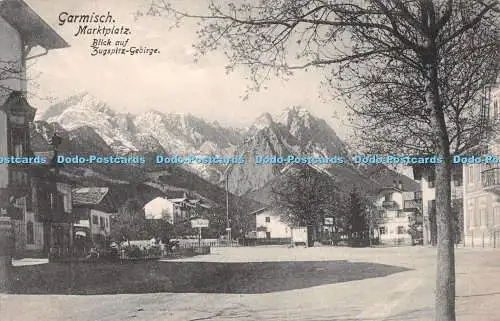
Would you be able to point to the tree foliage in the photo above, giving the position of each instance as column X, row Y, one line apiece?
column 304, row 197
column 131, row 224
column 357, row 214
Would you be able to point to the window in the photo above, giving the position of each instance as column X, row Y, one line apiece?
column 484, row 215
column 496, row 216
column 18, row 150
column 471, row 217
column 268, row 219
column 477, row 218
column 432, row 180
column 268, row 235
column 101, row 221
column 381, row 230
column 388, row 197
column 490, row 218
column 401, row 230
column 107, row 222
column 30, row 233
column 470, row 172
column 95, row 220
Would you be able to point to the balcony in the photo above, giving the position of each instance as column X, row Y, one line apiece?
column 389, row 204
column 490, row 180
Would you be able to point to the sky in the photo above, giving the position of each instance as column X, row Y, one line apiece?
column 169, row 81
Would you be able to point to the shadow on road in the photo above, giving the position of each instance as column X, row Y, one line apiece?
column 190, row 277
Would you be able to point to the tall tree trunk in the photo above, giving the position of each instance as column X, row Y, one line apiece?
column 445, row 278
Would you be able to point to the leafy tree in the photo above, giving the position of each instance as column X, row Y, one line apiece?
column 357, row 215
column 412, row 71
column 304, row 197
column 130, row 222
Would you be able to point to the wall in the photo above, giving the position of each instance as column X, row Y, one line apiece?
column 390, row 220
column 65, row 190
column 10, row 50
column 481, row 207
column 96, row 228
column 159, row 208
column 277, row 228
column 4, row 171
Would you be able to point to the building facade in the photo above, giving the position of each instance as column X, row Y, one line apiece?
column 398, row 212
column 94, row 208
column 178, row 210
column 269, row 226
column 482, row 191
column 22, row 33
column 426, row 175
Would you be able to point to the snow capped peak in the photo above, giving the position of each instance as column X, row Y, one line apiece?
column 290, row 114
column 265, row 120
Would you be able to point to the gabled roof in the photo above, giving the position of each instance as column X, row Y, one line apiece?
column 89, row 195
column 34, row 30
column 259, row 211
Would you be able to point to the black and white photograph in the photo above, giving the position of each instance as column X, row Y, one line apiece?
column 288, row 160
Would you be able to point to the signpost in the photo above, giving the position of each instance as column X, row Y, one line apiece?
column 199, row 223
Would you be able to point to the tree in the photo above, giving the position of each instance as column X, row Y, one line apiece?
column 357, row 215
column 130, row 222
column 412, row 73
column 304, row 197
column 9, row 71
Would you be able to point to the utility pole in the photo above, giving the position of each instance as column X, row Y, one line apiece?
column 228, row 225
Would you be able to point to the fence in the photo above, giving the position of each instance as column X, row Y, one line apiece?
column 189, row 243
column 482, row 239
column 130, row 253
column 264, row 241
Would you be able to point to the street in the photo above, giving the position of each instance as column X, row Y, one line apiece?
column 266, row 283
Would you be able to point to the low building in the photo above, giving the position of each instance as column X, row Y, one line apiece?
column 269, row 226
column 178, row 210
column 397, row 208
column 159, row 208
column 93, row 209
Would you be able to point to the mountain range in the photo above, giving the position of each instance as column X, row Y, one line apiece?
column 90, row 126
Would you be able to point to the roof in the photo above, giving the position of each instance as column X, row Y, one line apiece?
column 390, row 179
column 89, row 195
column 177, row 200
column 34, row 30
column 258, row 211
